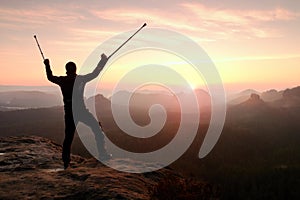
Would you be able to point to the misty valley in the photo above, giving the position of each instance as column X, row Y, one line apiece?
column 257, row 154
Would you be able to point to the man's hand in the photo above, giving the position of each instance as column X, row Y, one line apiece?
column 104, row 58
column 46, row 62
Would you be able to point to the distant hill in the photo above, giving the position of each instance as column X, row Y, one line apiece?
column 293, row 92
column 271, row 95
column 28, row 99
column 267, row 96
column 142, row 100
column 254, row 108
column 240, row 97
column 256, row 111
column 253, row 101
column 12, row 88
column 249, row 92
column 290, row 98
column 258, row 153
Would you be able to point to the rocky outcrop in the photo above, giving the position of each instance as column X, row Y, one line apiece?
column 31, row 168
column 254, row 102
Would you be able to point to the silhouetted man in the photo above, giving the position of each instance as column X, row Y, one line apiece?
column 72, row 88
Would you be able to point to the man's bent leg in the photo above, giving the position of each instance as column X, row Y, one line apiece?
column 69, row 135
column 90, row 121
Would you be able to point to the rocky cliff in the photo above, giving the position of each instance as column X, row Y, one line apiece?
column 31, row 168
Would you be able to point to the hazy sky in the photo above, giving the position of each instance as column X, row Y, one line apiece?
column 254, row 44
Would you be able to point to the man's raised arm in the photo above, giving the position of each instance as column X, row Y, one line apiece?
column 98, row 69
column 50, row 77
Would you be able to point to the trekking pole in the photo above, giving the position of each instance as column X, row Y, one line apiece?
column 39, row 46
column 127, row 41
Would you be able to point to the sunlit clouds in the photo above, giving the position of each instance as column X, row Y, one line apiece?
column 245, row 43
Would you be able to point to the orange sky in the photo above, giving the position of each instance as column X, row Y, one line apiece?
column 253, row 44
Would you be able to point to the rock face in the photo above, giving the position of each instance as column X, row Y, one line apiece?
column 31, row 168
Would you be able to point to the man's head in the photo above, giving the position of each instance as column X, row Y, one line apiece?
column 71, row 68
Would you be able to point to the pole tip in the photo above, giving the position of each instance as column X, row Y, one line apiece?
column 145, row 24
column 34, row 36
